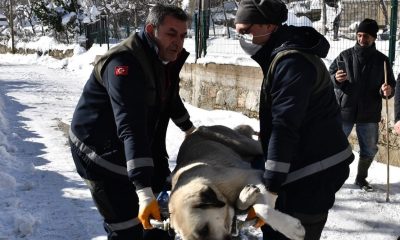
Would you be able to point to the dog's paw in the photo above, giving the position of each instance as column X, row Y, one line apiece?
column 247, row 197
column 287, row 225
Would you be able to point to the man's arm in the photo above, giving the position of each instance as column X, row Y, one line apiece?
column 179, row 114
column 125, row 84
column 291, row 90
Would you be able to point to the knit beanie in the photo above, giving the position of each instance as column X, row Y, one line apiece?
column 368, row 26
column 261, row 12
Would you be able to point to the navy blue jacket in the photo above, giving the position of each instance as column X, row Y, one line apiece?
column 306, row 153
column 120, row 121
column 360, row 97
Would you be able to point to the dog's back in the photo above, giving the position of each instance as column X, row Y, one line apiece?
column 218, row 146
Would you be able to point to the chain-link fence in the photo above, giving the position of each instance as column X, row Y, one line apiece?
column 336, row 20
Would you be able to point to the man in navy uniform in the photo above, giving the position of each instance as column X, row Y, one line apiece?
column 118, row 130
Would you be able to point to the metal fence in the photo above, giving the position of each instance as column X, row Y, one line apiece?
column 97, row 32
column 336, row 20
column 213, row 32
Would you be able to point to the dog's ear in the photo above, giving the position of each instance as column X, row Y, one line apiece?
column 208, row 199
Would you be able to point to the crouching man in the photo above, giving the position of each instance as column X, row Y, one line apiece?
column 119, row 126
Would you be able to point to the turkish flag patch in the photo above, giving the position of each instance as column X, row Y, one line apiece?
column 121, row 71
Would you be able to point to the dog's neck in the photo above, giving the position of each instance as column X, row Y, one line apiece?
column 182, row 175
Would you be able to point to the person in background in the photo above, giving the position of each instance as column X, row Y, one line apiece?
column 306, row 153
column 359, row 80
column 397, row 106
column 336, row 20
column 118, row 130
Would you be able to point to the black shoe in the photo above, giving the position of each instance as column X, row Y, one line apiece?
column 364, row 185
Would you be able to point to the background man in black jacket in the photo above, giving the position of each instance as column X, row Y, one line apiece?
column 306, row 153
column 118, row 129
column 359, row 80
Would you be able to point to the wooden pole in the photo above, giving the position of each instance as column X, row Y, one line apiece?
column 387, row 136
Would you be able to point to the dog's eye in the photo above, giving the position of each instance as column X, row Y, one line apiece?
column 204, row 231
column 208, row 199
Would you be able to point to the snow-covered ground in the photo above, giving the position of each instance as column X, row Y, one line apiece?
column 43, row 198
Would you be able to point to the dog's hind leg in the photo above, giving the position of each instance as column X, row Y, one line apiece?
column 247, row 197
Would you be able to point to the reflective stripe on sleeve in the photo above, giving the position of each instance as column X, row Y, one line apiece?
column 139, row 162
column 276, row 166
column 96, row 158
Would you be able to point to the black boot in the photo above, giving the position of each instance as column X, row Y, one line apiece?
column 364, row 185
column 363, row 165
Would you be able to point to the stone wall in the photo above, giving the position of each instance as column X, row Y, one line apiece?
column 216, row 86
column 58, row 54
column 237, row 88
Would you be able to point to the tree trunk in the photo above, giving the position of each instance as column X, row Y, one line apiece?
column 323, row 17
column 226, row 20
column 385, row 13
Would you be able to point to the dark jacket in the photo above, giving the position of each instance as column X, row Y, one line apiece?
column 397, row 101
column 306, row 153
column 360, row 97
column 119, row 125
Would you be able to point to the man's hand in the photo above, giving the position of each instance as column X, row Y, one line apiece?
column 251, row 214
column 148, row 207
column 341, row 76
column 397, row 127
column 386, row 90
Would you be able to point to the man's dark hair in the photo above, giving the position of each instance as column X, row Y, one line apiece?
column 160, row 11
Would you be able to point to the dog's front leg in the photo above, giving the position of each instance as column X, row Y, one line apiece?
column 247, row 197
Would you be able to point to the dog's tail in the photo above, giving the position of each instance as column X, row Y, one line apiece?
column 246, row 130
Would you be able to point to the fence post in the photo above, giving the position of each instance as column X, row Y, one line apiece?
column 393, row 31
column 204, row 25
column 196, row 35
column 324, row 17
column 11, row 20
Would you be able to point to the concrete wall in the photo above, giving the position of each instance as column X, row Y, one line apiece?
column 216, row 86
column 237, row 88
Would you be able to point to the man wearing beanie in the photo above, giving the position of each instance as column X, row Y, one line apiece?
column 358, row 76
column 306, row 153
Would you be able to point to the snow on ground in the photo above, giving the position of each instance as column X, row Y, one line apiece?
column 43, row 198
